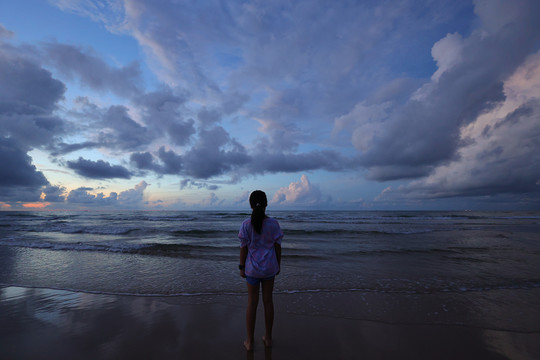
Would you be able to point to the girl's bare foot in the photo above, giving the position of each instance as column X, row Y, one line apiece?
column 248, row 345
column 267, row 341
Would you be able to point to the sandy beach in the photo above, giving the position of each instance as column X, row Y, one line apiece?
column 58, row 324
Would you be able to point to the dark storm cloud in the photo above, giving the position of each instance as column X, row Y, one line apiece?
column 295, row 162
column 63, row 148
column 98, row 169
column 166, row 162
column 74, row 62
column 215, row 153
column 25, row 87
column 54, row 194
column 121, row 131
column 163, row 110
column 503, row 161
column 19, row 179
column 172, row 163
column 144, row 161
column 111, row 128
column 28, row 96
column 426, row 131
column 208, row 117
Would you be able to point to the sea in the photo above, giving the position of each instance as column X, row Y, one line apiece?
column 454, row 267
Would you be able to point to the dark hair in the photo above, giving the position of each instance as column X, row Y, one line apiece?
column 258, row 203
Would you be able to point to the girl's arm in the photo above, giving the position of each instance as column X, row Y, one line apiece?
column 278, row 255
column 243, row 257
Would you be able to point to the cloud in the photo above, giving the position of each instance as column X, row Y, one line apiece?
column 54, row 194
column 98, row 169
column 425, row 132
column 258, row 87
column 189, row 183
column 213, row 154
column 263, row 162
column 501, row 156
column 163, row 110
column 119, row 130
column 131, row 198
column 145, row 161
column 299, row 193
column 26, row 87
column 211, row 201
column 5, row 33
column 169, row 162
column 111, row 128
column 28, row 97
column 302, row 66
column 92, row 71
column 82, row 196
column 505, row 161
column 62, row 148
column 243, row 199
column 19, row 179
column 309, row 59
column 172, row 163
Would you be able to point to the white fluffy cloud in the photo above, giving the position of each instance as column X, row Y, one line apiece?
column 127, row 199
column 301, row 192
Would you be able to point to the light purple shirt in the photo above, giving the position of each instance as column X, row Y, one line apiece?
column 261, row 261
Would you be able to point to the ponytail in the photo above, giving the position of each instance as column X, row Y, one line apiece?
column 258, row 203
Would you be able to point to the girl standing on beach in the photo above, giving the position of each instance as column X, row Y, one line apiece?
column 260, row 259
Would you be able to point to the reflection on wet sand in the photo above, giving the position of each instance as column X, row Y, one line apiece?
column 67, row 324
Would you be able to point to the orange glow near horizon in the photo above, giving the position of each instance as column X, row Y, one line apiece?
column 4, row 206
column 39, row 205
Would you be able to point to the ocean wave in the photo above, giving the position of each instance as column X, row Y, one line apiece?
column 157, row 249
column 99, row 231
column 138, row 229
column 91, row 230
column 454, row 252
column 389, row 231
column 203, row 233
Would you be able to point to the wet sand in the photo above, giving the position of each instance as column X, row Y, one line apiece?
column 56, row 324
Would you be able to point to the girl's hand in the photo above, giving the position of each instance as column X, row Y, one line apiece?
column 243, row 273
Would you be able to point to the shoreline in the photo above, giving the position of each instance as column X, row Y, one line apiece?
column 40, row 323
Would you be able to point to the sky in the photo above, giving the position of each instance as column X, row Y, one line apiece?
column 191, row 105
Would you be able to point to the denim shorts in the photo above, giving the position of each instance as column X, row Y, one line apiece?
column 256, row 281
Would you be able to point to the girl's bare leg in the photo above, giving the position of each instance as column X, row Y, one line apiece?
column 251, row 315
column 267, row 293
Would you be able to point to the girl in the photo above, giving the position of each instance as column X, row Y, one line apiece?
column 260, row 259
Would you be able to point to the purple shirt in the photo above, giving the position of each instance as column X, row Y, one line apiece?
column 261, row 261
